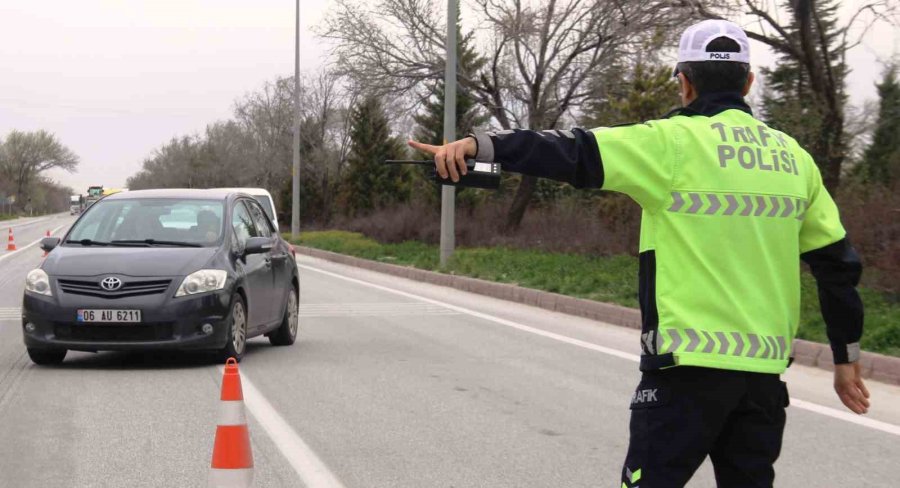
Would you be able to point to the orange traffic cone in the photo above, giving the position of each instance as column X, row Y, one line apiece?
column 11, row 242
column 232, row 460
column 48, row 235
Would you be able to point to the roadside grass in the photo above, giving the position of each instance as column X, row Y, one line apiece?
column 4, row 216
column 603, row 278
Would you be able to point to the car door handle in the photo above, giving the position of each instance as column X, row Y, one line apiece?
column 280, row 256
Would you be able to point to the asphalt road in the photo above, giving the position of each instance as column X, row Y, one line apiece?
column 387, row 387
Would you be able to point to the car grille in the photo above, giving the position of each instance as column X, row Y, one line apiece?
column 115, row 333
column 129, row 288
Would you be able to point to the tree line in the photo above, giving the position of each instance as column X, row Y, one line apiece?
column 25, row 157
column 543, row 64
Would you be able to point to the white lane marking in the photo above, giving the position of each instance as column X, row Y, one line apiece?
column 846, row 416
column 299, row 455
column 30, row 245
column 335, row 309
column 28, row 223
column 10, row 313
column 796, row 402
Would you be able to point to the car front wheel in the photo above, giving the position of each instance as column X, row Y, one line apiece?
column 46, row 356
column 286, row 334
column 235, row 330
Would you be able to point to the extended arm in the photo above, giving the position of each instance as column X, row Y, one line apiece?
column 570, row 156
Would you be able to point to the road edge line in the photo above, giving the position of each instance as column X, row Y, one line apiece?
column 27, row 246
column 878, row 425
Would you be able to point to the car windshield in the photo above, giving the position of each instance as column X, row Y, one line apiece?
column 266, row 204
column 150, row 222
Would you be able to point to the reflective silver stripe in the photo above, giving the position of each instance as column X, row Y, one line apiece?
column 647, row 339
column 230, row 478
column 485, row 145
column 773, row 351
column 748, row 206
column 676, row 340
column 853, row 352
column 775, row 207
column 727, row 204
column 801, row 209
column 760, row 205
column 677, row 202
column 232, row 413
column 732, row 204
column 723, row 342
column 710, row 342
column 739, row 343
column 782, row 343
column 694, row 340
column 754, row 345
column 766, row 348
column 788, row 207
column 714, row 204
column 697, row 203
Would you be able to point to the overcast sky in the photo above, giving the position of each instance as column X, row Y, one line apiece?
column 114, row 79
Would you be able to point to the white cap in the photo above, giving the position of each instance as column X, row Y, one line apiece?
column 698, row 36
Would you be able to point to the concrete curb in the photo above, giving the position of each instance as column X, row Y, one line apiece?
column 875, row 366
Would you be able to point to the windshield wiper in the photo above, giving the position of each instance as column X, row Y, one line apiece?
column 155, row 242
column 87, row 242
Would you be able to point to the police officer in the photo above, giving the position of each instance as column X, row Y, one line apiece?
column 730, row 206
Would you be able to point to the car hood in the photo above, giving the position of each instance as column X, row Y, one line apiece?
column 129, row 261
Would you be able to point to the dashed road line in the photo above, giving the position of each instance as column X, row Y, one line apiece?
column 795, row 402
column 10, row 313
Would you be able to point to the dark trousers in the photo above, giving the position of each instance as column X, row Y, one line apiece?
column 682, row 414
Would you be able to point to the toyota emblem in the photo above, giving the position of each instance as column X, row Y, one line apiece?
column 111, row 283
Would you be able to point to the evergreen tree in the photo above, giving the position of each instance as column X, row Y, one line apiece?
column 646, row 92
column 881, row 162
column 369, row 183
column 468, row 115
column 797, row 104
column 430, row 119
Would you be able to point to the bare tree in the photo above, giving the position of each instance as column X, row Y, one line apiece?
column 819, row 47
column 540, row 54
column 25, row 155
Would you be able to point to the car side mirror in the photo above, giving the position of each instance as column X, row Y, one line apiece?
column 48, row 243
column 258, row 245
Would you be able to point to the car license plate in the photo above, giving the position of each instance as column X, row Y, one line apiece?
column 109, row 316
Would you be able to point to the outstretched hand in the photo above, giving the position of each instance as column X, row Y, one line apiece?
column 449, row 159
column 850, row 387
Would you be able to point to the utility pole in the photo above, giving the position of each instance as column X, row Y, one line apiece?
column 448, row 193
column 295, row 172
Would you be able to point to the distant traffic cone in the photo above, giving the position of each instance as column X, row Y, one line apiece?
column 48, row 235
column 232, row 460
column 11, row 242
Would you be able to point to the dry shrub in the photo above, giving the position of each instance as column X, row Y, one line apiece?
column 609, row 224
column 601, row 225
column 871, row 215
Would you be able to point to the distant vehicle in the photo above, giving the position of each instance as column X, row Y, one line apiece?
column 163, row 269
column 264, row 198
column 75, row 209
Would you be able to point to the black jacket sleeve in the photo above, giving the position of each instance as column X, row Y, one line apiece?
column 837, row 270
column 570, row 156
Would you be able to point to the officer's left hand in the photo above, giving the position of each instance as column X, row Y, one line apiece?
column 851, row 389
column 449, row 159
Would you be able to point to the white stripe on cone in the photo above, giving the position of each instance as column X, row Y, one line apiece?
column 230, row 478
column 232, row 413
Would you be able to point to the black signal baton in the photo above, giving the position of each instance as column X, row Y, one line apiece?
column 478, row 175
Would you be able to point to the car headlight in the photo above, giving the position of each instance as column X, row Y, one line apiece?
column 202, row 281
column 37, row 281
